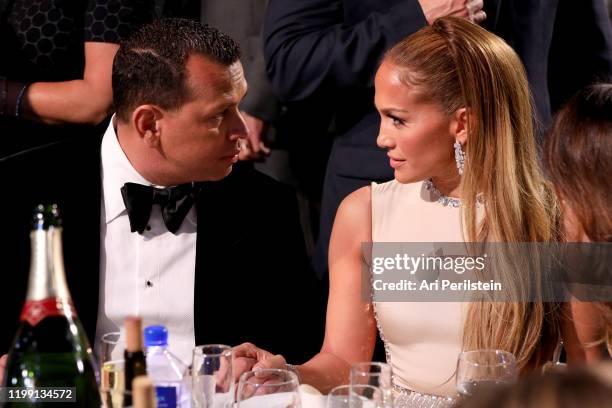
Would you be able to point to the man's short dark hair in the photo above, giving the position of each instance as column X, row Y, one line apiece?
column 149, row 68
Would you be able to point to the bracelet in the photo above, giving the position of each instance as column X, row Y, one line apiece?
column 293, row 369
column 19, row 98
column 4, row 95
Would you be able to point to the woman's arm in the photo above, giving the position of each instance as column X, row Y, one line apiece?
column 81, row 101
column 350, row 330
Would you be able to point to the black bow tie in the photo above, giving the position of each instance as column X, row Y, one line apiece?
column 175, row 202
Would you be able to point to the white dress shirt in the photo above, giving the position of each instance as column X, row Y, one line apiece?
column 150, row 275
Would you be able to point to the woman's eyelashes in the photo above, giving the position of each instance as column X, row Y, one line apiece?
column 397, row 122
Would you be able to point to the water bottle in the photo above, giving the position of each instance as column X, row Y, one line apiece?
column 165, row 369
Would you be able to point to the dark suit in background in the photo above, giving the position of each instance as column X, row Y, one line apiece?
column 252, row 281
column 564, row 45
column 328, row 52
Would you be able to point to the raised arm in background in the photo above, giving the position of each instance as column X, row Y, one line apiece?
column 308, row 44
column 82, row 101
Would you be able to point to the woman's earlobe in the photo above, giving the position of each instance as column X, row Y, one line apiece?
column 462, row 136
column 461, row 125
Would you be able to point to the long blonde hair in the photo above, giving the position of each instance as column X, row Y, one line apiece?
column 457, row 64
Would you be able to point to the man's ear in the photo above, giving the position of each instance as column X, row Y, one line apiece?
column 145, row 120
column 459, row 125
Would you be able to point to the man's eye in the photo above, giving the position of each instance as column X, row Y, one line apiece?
column 219, row 116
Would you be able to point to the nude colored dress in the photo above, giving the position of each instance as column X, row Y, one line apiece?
column 422, row 339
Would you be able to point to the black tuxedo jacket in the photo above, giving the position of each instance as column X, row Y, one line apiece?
column 337, row 45
column 252, row 279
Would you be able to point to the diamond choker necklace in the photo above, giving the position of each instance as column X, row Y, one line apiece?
column 441, row 198
column 446, row 200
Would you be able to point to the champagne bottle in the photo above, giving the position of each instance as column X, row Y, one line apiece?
column 50, row 347
column 135, row 363
column 143, row 392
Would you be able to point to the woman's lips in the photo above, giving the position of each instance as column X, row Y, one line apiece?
column 395, row 163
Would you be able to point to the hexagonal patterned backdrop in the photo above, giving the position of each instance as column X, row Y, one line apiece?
column 44, row 29
column 50, row 33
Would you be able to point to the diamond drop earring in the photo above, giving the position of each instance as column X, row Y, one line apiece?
column 459, row 156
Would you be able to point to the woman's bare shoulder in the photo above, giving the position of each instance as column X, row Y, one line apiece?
column 357, row 204
column 354, row 214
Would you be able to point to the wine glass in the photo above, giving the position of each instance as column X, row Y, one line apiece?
column 483, row 369
column 212, row 376
column 355, row 396
column 269, row 388
column 376, row 374
column 555, row 366
column 112, row 375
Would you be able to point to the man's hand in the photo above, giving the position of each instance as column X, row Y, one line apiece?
column 253, row 147
column 3, row 361
column 242, row 365
column 470, row 9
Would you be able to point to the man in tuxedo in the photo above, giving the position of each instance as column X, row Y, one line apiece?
column 153, row 224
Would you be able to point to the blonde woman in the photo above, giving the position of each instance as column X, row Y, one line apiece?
column 449, row 84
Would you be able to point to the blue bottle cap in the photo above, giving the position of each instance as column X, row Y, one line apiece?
column 155, row 336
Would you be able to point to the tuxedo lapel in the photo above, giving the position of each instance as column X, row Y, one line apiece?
column 252, row 280
column 219, row 232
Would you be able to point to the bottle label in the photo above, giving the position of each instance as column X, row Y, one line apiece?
column 166, row 397
column 34, row 311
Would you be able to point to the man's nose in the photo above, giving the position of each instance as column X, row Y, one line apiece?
column 237, row 128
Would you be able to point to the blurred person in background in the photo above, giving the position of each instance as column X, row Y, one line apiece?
column 578, row 157
column 568, row 389
column 55, row 70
